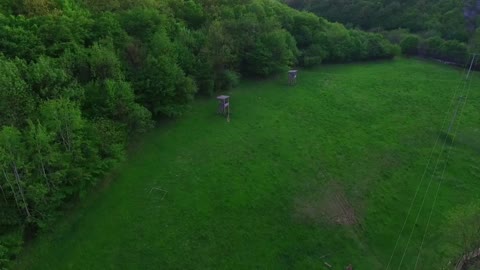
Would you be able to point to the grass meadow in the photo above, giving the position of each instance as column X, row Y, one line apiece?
column 323, row 172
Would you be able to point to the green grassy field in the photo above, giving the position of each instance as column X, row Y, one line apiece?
column 321, row 172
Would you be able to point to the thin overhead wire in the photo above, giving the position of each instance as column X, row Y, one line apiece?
column 425, row 172
column 442, row 177
column 466, row 82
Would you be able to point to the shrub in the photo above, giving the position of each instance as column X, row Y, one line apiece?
column 454, row 51
column 432, row 47
column 410, row 45
column 231, row 79
column 10, row 246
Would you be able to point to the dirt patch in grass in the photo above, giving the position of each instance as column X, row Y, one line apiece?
column 328, row 204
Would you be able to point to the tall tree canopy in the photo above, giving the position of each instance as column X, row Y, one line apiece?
column 450, row 19
column 442, row 29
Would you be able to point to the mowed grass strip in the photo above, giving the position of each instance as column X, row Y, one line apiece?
column 324, row 171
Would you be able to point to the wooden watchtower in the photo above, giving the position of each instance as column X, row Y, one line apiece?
column 292, row 77
column 223, row 105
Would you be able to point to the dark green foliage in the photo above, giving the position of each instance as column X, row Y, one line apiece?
column 161, row 84
column 410, row 45
column 432, row 28
column 115, row 100
column 142, row 23
column 189, row 11
column 18, row 38
column 432, row 47
column 272, row 53
column 454, row 51
column 48, row 79
column 11, row 243
column 16, row 99
column 443, row 17
column 110, row 138
column 61, row 33
column 379, row 48
column 313, row 55
column 320, row 41
column 107, row 26
column 232, row 79
column 104, row 63
column 80, row 78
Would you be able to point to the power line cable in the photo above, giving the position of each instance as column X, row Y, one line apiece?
column 434, row 171
column 443, row 172
column 424, row 173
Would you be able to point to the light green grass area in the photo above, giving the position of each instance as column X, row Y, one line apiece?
column 281, row 184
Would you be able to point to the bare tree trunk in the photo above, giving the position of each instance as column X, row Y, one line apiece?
column 64, row 141
column 4, row 196
column 69, row 143
column 11, row 187
column 43, row 172
column 17, row 180
column 66, row 137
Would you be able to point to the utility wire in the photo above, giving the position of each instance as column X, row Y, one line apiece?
column 444, row 169
column 424, row 173
column 435, row 170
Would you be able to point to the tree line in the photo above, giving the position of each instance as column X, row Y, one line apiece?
column 443, row 29
column 80, row 78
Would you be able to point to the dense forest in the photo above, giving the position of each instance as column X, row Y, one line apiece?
column 450, row 19
column 444, row 29
column 80, row 79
